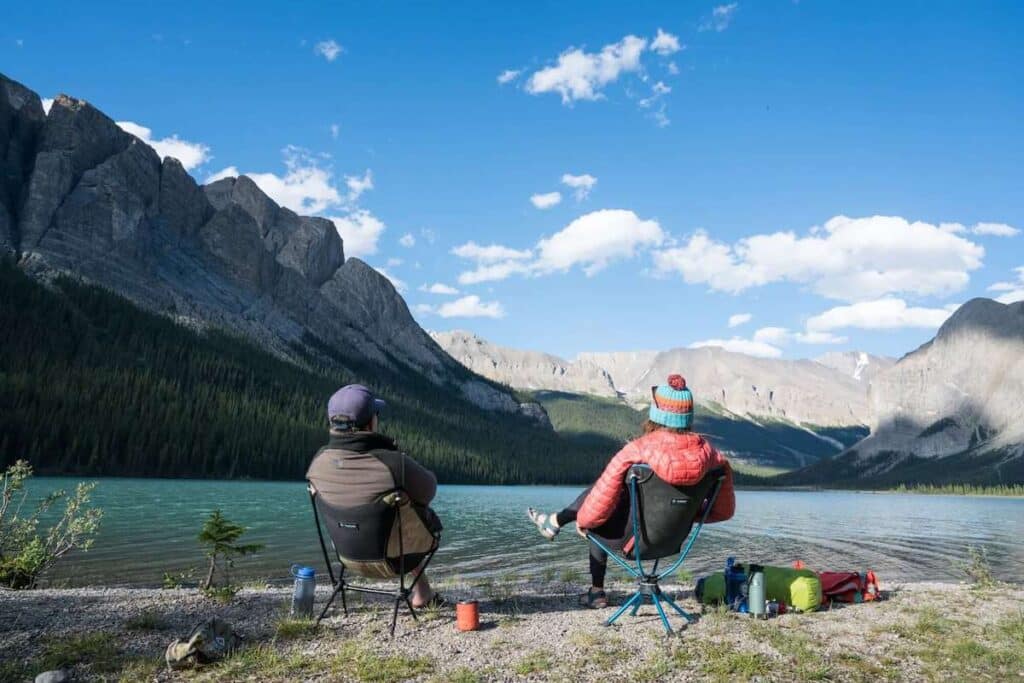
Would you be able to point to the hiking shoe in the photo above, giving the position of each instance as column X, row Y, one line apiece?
column 545, row 523
column 594, row 599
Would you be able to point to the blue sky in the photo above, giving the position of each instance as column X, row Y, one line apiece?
column 843, row 173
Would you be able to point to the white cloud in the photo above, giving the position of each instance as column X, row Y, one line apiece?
column 596, row 239
column 439, row 288
column 491, row 253
column 328, row 49
column 508, row 75
column 995, row 229
column 738, row 319
column 335, row 130
column 1012, row 291
column 423, row 309
column 721, row 17
column 547, row 200
column 47, row 103
column 429, row 235
column 665, row 44
column 471, row 307
column 394, row 262
column 592, row 241
column 360, row 230
column 780, row 336
column 673, row 68
column 882, row 314
column 407, row 240
column 190, row 154
column 581, row 184
column 358, row 185
column 395, row 282
column 658, row 90
column 740, row 345
column 493, row 272
column 851, row 259
column 579, row 75
column 306, row 187
column 226, row 172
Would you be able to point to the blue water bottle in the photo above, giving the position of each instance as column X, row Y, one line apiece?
column 305, row 589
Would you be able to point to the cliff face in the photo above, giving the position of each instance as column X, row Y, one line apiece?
column 964, row 390
column 80, row 196
column 525, row 369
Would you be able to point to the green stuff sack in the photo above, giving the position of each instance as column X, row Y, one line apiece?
column 800, row 589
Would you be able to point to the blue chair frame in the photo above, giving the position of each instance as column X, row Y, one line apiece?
column 648, row 582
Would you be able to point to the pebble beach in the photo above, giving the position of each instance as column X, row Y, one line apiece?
column 529, row 631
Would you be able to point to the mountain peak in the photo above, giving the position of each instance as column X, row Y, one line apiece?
column 986, row 316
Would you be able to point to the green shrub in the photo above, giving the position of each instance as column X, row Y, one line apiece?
column 26, row 552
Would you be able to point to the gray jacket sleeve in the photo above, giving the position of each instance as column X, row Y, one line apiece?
column 420, row 483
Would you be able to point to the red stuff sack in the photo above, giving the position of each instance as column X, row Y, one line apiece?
column 848, row 587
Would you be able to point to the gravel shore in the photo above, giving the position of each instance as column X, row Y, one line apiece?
column 530, row 631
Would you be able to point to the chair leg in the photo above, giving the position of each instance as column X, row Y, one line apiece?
column 394, row 615
column 340, row 588
column 344, row 603
column 636, row 607
column 619, row 612
column 656, row 599
column 412, row 610
column 683, row 613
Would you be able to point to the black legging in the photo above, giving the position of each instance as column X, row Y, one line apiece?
column 614, row 533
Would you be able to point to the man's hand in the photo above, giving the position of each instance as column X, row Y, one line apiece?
column 581, row 531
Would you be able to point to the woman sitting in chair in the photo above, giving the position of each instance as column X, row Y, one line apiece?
column 676, row 455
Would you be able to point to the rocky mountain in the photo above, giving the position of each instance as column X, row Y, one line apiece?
column 525, row 369
column 627, row 368
column 798, row 391
column 80, row 196
column 964, row 390
column 859, row 365
column 946, row 413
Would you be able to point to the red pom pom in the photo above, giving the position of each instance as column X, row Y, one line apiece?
column 677, row 382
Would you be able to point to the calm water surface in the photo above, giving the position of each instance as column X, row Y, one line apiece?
column 150, row 527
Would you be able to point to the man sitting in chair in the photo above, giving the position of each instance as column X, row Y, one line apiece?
column 359, row 465
column 676, row 455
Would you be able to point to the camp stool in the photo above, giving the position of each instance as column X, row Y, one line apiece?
column 661, row 516
column 385, row 539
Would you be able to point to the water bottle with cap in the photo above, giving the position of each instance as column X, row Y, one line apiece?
column 756, row 592
column 305, row 589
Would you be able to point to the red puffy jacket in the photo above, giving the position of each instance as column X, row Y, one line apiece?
column 680, row 459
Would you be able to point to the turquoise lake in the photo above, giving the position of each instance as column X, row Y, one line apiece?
column 150, row 527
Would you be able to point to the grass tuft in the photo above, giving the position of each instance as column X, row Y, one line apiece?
column 533, row 663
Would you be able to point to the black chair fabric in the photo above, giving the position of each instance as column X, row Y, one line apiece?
column 667, row 512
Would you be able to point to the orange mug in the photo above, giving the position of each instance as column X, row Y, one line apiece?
column 467, row 615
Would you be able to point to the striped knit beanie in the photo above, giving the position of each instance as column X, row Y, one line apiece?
column 673, row 404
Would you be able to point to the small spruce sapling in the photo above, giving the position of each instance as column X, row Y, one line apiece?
column 220, row 537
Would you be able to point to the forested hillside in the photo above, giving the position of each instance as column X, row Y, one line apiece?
column 92, row 385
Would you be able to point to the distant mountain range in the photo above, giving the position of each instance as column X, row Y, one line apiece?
column 84, row 204
column 948, row 411
column 828, row 392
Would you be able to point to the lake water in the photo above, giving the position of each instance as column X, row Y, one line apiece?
column 150, row 527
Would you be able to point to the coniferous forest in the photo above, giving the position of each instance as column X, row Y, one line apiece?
column 92, row 385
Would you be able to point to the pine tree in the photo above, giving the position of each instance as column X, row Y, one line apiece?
column 220, row 536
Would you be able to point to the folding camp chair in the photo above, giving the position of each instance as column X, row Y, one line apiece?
column 383, row 540
column 661, row 517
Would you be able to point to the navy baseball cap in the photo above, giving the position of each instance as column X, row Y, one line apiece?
column 353, row 403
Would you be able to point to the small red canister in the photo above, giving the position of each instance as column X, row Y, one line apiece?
column 467, row 615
